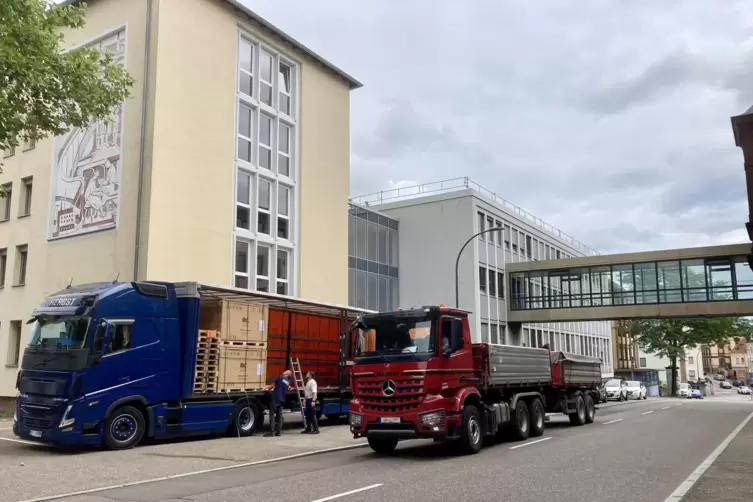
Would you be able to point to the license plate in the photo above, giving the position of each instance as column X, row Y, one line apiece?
column 35, row 434
column 389, row 420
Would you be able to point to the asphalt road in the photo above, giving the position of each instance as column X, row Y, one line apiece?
column 637, row 452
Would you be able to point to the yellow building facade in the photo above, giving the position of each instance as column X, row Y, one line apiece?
column 228, row 164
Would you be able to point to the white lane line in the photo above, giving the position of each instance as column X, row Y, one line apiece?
column 21, row 441
column 666, row 408
column 647, row 412
column 686, row 485
column 345, row 494
column 678, row 404
column 614, row 421
column 530, row 443
column 194, row 473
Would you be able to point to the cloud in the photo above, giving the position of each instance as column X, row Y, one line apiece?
column 610, row 123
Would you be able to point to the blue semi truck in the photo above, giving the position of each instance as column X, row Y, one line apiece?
column 114, row 363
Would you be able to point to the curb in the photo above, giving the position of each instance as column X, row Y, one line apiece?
column 195, row 473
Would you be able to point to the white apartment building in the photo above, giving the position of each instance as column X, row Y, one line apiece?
column 435, row 220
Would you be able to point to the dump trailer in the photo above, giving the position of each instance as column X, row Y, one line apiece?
column 417, row 374
column 114, row 363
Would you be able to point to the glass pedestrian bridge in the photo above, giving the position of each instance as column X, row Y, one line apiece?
column 708, row 281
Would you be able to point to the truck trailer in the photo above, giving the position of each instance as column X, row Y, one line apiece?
column 113, row 363
column 416, row 374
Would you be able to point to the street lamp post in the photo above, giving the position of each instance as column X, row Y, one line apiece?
column 457, row 260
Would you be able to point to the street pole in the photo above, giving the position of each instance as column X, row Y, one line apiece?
column 457, row 261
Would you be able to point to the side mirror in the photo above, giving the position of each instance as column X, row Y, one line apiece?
column 456, row 335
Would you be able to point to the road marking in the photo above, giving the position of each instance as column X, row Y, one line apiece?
column 351, row 492
column 614, row 421
column 529, row 443
column 647, row 412
column 195, row 473
column 678, row 404
column 6, row 428
column 686, row 485
column 21, row 441
column 666, row 408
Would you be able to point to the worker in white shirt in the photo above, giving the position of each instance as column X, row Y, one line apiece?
column 312, row 424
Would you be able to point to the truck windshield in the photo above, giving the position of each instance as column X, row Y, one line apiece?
column 395, row 336
column 57, row 331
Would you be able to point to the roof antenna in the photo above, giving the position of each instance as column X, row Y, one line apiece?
column 116, row 278
column 69, row 284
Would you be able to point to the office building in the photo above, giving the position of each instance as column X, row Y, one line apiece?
column 229, row 164
column 435, row 220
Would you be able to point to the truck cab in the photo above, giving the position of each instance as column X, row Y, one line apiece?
column 409, row 368
column 84, row 379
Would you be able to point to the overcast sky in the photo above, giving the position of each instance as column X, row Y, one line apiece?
column 609, row 120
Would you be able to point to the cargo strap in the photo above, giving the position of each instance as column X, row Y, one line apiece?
column 300, row 385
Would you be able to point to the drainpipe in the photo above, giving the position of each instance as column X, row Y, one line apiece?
column 142, row 140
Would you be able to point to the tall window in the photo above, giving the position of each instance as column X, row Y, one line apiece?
column 7, row 190
column 265, row 196
column 3, row 265
column 282, row 272
column 26, row 186
column 14, row 344
column 22, row 253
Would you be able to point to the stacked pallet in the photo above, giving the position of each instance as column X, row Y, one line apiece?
column 238, row 352
column 207, row 361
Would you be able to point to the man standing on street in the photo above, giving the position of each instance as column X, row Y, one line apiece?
column 276, row 402
column 312, row 424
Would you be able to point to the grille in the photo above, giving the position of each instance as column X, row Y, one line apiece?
column 407, row 396
column 37, row 423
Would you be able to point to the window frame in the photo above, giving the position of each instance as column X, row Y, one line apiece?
column 283, row 188
column 6, row 202
column 27, row 185
column 279, row 280
column 259, row 210
column 259, row 276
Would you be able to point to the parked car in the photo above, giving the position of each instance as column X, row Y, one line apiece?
column 684, row 389
column 696, row 394
column 603, row 394
column 743, row 390
column 635, row 390
column 616, row 390
column 719, row 378
column 725, row 385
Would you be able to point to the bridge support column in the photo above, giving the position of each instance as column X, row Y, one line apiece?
column 515, row 333
column 742, row 126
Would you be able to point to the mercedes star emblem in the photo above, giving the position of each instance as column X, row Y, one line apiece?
column 388, row 388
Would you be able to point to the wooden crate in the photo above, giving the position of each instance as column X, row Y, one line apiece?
column 235, row 321
column 241, row 368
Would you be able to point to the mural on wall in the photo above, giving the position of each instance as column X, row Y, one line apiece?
column 86, row 168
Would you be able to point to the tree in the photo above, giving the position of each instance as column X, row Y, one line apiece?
column 670, row 337
column 43, row 89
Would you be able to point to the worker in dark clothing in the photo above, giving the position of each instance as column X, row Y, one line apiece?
column 276, row 402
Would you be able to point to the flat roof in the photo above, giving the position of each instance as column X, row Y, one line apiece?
column 352, row 82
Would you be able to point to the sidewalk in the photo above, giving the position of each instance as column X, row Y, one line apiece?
column 730, row 477
column 86, row 470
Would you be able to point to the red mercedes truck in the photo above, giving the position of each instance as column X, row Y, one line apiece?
column 417, row 374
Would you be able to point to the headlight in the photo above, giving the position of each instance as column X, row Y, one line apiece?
column 65, row 421
column 355, row 419
column 434, row 419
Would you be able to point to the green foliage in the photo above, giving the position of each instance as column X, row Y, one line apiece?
column 670, row 337
column 44, row 90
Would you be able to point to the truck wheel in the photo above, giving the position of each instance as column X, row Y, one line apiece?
column 243, row 419
column 590, row 410
column 124, row 429
column 472, row 431
column 521, row 420
column 538, row 415
column 579, row 416
column 382, row 445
